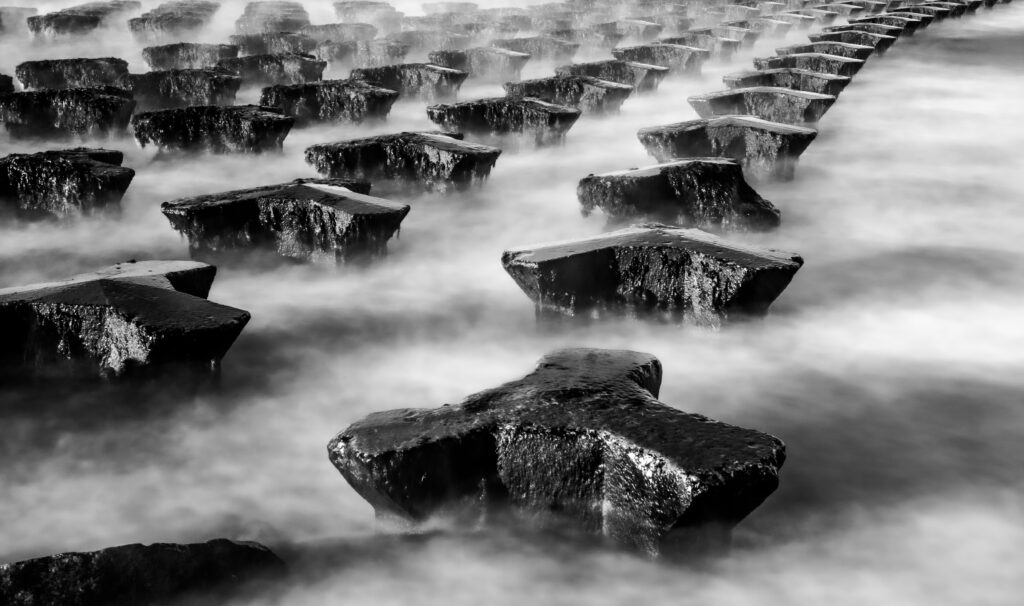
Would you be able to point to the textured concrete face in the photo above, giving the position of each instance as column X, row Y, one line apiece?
column 582, row 440
column 546, row 122
column 491, row 64
column 419, row 80
column 66, row 114
column 61, row 183
column 81, row 19
column 541, row 48
column 71, row 73
column 880, row 42
column 643, row 77
column 173, row 20
column 187, row 55
column 269, row 70
column 275, row 16
column 181, row 88
column 775, row 104
column 240, row 128
column 722, row 47
column 841, row 49
column 271, row 43
column 815, row 62
column 331, row 101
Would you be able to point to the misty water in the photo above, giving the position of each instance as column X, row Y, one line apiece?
column 891, row 367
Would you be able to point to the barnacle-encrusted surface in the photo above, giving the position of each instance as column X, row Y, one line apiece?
column 65, row 182
column 75, row 112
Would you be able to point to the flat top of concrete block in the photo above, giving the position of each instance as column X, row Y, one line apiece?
column 788, row 70
column 153, row 273
column 254, row 111
column 776, row 90
column 335, row 196
column 838, row 44
column 837, row 58
column 654, row 169
column 737, row 120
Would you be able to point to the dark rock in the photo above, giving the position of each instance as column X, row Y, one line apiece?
column 926, row 18
column 772, row 103
column 361, row 53
column 765, row 26
column 81, row 19
column 680, row 274
column 709, row 193
column 641, row 76
column 118, row 321
column 65, row 182
column 843, row 9
column 162, row 573
column 581, row 440
column 307, row 220
column 906, row 23
column 433, row 8
column 240, row 128
column 820, row 17
column 173, row 19
column 582, row 92
column 839, row 49
column 271, row 43
column 677, row 58
column 815, row 62
column 438, row 162
column 766, row 150
column 637, row 29
column 799, row 21
column 746, row 36
column 269, row 70
column 71, row 73
column 797, row 79
column 541, row 48
column 870, row 28
column 498, row 116
column 330, row 101
column 6, row 84
column 717, row 46
column 381, row 15
column 488, row 63
column 872, row 6
column 879, row 41
column 14, row 19
column 272, row 16
column 187, row 55
column 75, row 112
column 340, row 32
column 425, row 41
column 420, row 80
column 591, row 38
column 182, row 88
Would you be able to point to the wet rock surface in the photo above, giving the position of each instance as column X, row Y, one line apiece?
column 582, row 92
column 424, row 41
column 123, row 320
column 674, row 273
column 797, row 79
column 271, row 43
column 492, row 64
column 581, row 440
column 187, row 55
column 420, row 80
column 218, row 129
column 77, row 112
column 268, row 70
column 81, row 19
column 841, row 49
column 307, row 220
column 880, row 42
column 14, row 19
column 71, row 73
column 437, row 162
column 331, row 101
column 815, row 62
column 541, row 48
column 182, row 88
column 64, row 182
column 173, row 19
column 161, row 573
column 641, row 76
column 272, row 16
column 677, row 58
column 361, row 53
column 547, row 122
column 775, row 104
column 708, row 193
column 766, row 150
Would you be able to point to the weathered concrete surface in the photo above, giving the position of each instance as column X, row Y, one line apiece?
column 708, row 193
column 870, row 28
column 680, row 274
column 581, row 440
column 419, row 80
column 272, row 16
column 182, row 88
column 435, row 161
column 797, row 79
column 582, row 92
column 269, row 70
column 81, row 19
column 331, row 101
column 361, row 53
column 157, row 574
column 766, row 150
column 590, row 38
column 642, row 77
column 76, row 112
column 307, row 220
column 173, row 19
column 425, row 41
column 64, row 182
column 908, row 24
column 840, row 49
column 547, row 122
column 880, row 42
column 340, row 32
column 815, row 62
column 71, row 73
column 768, row 27
column 491, row 64
column 772, row 103
column 541, row 48
column 273, row 43
column 217, row 129
column 122, row 320
column 717, row 46
column 677, row 58
column 187, row 55
column 381, row 15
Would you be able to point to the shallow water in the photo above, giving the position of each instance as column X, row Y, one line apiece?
column 890, row 367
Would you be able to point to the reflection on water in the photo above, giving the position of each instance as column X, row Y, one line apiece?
column 890, row 366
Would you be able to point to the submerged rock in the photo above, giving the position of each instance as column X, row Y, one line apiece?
column 173, row 19
column 766, row 150
column 547, row 122
column 74, row 112
column 541, row 48
column 187, row 55
column 64, row 182
column 71, row 73
column 677, row 58
column 272, row 16
column 240, row 128
column 273, row 43
column 307, row 219
column 81, row 19
column 709, row 193
column 488, row 63
column 841, row 49
column 420, row 80
column 361, row 53
column 815, row 62
column 680, row 274
column 330, row 101
column 880, row 42
column 796, row 79
column 581, row 440
column 161, row 573
column 436, row 161
column 117, row 321
column 772, row 103
column 641, row 76
column 269, row 70
column 582, row 92
column 182, row 88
